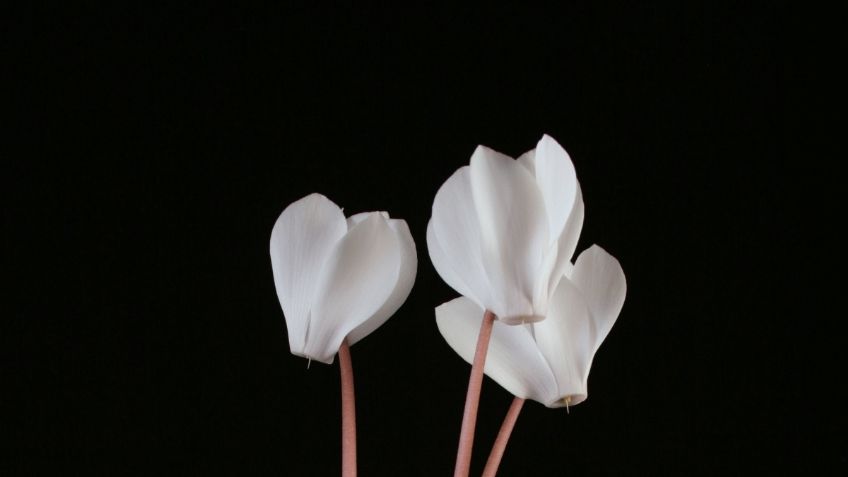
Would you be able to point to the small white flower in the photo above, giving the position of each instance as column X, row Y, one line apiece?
column 338, row 278
column 547, row 361
column 503, row 231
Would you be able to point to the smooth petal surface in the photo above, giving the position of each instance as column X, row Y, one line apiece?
column 567, row 243
column 302, row 238
column 454, row 240
column 601, row 280
column 406, row 278
column 442, row 263
column 528, row 160
column 356, row 281
column 545, row 275
column 513, row 359
column 566, row 340
column 558, row 183
column 357, row 218
column 514, row 230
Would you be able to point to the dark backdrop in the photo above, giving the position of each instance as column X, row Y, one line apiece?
column 161, row 144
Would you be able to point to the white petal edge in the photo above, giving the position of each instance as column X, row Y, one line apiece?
column 406, row 278
column 600, row 278
column 513, row 360
column 442, row 263
column 514, row 230
column 357, row 218
column 567, row 243
column 455, row 241
column 528, row 160
column 557, row 181
column 355, row 283
column 302, row 238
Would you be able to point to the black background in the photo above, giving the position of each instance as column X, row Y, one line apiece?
column 161, row 144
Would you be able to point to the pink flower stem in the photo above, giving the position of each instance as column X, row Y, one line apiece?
column 472, row 398
column 503, row 437
column 348, row 413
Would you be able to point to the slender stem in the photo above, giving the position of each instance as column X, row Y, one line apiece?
column 503, row 437
column 472, row 398
column 348, row 413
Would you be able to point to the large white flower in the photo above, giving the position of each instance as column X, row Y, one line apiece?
column 503, row 231
column 547, row 361
column 338, row 278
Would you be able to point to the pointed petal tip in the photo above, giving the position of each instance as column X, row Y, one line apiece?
column 548, row 140
column 548, row 143
column 596, row 250
column 485, row 153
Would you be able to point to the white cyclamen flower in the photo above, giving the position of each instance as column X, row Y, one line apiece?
column 503, row 231
column 547, row 361
column 338, row 278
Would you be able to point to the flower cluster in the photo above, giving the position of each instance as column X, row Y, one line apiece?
column 502, row 234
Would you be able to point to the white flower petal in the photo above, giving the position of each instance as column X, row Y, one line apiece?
column 301, row 240
column 406, row 278
column 542, row 287
column 514, row 230
column 567, row 243
column 601, row 280
column 513, row 360
column 454, row 240
column 566, row 340
column 356, row 281
column 528, row 160
column 442, row 264
column 558, row 183
column 357, row 218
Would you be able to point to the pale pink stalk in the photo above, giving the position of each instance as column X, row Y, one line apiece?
column 472, row 398
column 348, row 413
column 503, row 437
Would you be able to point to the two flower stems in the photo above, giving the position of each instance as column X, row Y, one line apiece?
column 472, row 397
column 472, row 401
column 503, row 437
column 469, row 417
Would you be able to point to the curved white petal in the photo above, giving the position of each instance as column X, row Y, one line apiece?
column 513, row 360
column 601, row 280
column 558, row 183
column 528, row 160
column 301, row 240
column 542, row 288
column 566, row 340
column 514, row 230
column 567, row 243
column 356, row 281
column 455, row 241
column 357, row 218
column 406, row 278
column 442, row 263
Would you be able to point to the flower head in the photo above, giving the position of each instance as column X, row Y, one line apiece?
column 547, row 361
column 503, row 231
column 338, row 278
